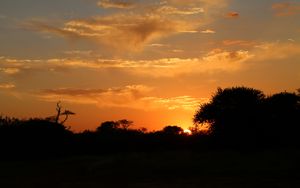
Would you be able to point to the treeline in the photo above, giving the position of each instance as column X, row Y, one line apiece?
column 239, row 118
column 40, row 137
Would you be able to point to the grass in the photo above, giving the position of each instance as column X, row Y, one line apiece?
column 158, row 169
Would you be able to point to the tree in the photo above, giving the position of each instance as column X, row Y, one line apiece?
column 283, row 117
column 108, row 126
column 125, row 124
column 56, row 118
column 233, row 113
column 172, row 130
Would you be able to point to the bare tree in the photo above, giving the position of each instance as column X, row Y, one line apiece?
column 66, row 113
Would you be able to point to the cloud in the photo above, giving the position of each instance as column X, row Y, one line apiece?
column 120, row 4
column 180, row 11
column 239, row 43
column 79, row 53
column 132, row 96
column 286, row 8
column 42, row 26
column 147, row 21
column 208, row 31
column 104, row 97
column 276, row 51
column 291, row 40
column 13, row 66
column 177, row 51
column 175, row 103
column 10, row 70
column 158, row 45
column 223, row 60
column 214, row 61
column 7, row 86
column 123, row 31
column 204, row 3
column 233, row 15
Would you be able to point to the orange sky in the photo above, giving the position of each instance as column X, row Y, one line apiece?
column 153, row 62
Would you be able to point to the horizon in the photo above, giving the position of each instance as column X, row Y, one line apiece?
column 152, row 62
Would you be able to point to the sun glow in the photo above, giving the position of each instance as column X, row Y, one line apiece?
column 187, row 131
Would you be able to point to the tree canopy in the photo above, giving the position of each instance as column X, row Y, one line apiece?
column 241, row 115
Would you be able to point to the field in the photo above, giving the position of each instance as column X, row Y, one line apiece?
column 158, row 169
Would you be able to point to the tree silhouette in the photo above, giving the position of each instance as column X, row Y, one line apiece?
column 124, row 123
column 108, row 126
column 172, row 130
column 59, row 113
column 114, row 126
column 233, row 113
column 282, row 122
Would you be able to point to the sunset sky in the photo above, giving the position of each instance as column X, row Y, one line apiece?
column 153, row 62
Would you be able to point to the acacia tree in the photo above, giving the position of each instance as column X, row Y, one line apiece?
column 233, row 113
column 112, row 126
column 59, row 113
column 124, row 123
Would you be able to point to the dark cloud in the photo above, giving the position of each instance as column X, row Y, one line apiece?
column 233, row 15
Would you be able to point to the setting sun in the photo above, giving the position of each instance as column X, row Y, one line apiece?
column 187, row 131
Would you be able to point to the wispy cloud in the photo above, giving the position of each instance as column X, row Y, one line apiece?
column 79, row 53
column 158, row 45
column 134, row 29
column 120, row 4
column 180, row 11
column 208, row 31
column 105, row 97
column 246, row 43
column 10, row 70
column 127, row 32
column 276, row 50
column 216, row 60
column 7, row 86
column 132, row 96
column 175, row 103
column 213, row 62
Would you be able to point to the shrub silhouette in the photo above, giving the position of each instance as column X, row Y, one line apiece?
column 33, row 137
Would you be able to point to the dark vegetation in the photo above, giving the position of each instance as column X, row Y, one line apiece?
column 253, row 141
column 245, row 117
column 240, row 118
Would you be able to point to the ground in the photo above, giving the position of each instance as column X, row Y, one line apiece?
column 174, row 169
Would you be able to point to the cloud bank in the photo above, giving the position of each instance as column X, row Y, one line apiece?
column 132, row 96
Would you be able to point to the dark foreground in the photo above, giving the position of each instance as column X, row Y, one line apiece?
column 158, row 169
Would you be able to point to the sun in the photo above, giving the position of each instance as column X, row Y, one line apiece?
column 187, row 131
